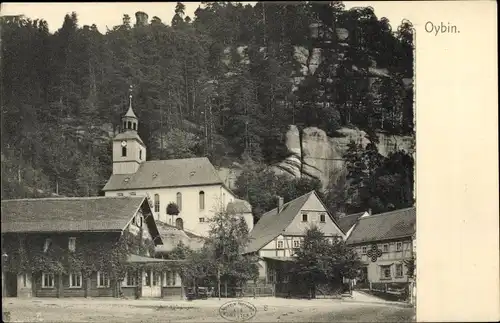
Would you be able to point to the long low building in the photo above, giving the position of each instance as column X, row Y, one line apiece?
column 79, row 247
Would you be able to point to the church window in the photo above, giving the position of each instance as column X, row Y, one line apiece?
column 140, row 154
column 157, row 203
column 124, row 151
column 202, row 200
column 124, row 125
column 179, row 200
column 129, row 124
column 134, row 126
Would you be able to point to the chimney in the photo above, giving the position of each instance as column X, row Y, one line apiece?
column 141, row 18
column 280, row 204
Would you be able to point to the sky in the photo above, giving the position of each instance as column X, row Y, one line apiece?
column 110, row 13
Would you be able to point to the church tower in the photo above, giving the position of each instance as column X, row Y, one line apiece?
column 128, row 149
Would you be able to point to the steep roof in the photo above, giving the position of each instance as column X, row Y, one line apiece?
column 272, row 223
column 167, row 173
column 384, row 226
column 346, row 222
column 172, row 236
column 69, row 214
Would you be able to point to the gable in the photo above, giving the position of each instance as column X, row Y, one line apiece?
column 314, row 208
column 143, row 218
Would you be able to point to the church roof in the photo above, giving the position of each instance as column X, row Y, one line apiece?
column 167, row 173
column 130, row 134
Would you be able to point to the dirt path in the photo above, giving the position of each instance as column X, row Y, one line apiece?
column 270, row 309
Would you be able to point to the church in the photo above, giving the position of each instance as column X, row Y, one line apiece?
column 193, row 184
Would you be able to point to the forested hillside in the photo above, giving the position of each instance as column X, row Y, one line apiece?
column 225, row 83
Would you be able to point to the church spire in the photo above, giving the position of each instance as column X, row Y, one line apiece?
column 129, row 120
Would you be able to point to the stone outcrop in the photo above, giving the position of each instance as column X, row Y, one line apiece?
column 313, row 154
column 316, row 155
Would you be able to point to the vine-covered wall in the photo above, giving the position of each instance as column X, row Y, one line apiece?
column 106, row 251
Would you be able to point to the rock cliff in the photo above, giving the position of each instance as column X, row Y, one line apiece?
column 314, row 154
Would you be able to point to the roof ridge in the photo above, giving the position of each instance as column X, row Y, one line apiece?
column 387, row 213
column 287, row 203
column 73, row 198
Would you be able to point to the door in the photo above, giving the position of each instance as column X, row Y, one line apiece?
column 151, row 284
column 10, row 284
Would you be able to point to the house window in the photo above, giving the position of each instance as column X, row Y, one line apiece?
column 271, row 275
column 202, row 220
column 120, row 194
column 179, row 200
column 46, row 246
column 280, row 244
column 322, row 218
column 102, row 279
column 296, row 243
column 399, row 270
column 132, row 193
column 179, row 223
column 202, row 200
column 72, row 244
column 385, row 248
column 75, row 280
column 47, row 280
column 157, row 203
column 124, row 151
column 399, row 246
column 304, row 217
column 385, row 272
column 130, row 278
column 363, row 250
